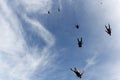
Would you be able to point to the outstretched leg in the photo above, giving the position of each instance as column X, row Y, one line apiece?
column 78, row 39
column 106, row 27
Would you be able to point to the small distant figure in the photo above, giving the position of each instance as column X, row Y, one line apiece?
column 77, row 26
column 108, row 29
column 48, row 12
column 58, row 9
column 78, row 74
column 80, row 42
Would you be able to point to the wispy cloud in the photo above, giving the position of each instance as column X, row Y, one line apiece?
column 19, row 61
column 39, row 6
column 91, row 61
column 44, row 33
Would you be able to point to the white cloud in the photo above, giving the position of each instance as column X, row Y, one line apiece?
column 91, row 61
column 44, row 33
column 7, row 33
column 18, row 61
column 39, row 6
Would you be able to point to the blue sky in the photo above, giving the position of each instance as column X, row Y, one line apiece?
column 35, row 45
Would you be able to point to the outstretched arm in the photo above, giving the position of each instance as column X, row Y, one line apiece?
column 81, row 39
column 78, row 39
column 71, row 69
column 106, row 27
column 75, row 68
column 109, row 26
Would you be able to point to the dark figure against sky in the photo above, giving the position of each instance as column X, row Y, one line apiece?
column 108, row 29
column 80, row 42
column 77, row 26
column 78, row 74
column 48, row 12
column 58, row 9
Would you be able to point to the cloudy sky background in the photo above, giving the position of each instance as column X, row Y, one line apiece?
column 38, row 46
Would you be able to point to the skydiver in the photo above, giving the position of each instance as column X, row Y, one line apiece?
column 58, row 9
column 80, row 42
column 48, row 12
column 78, row 74
column 77, row 26
column 108, row 29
